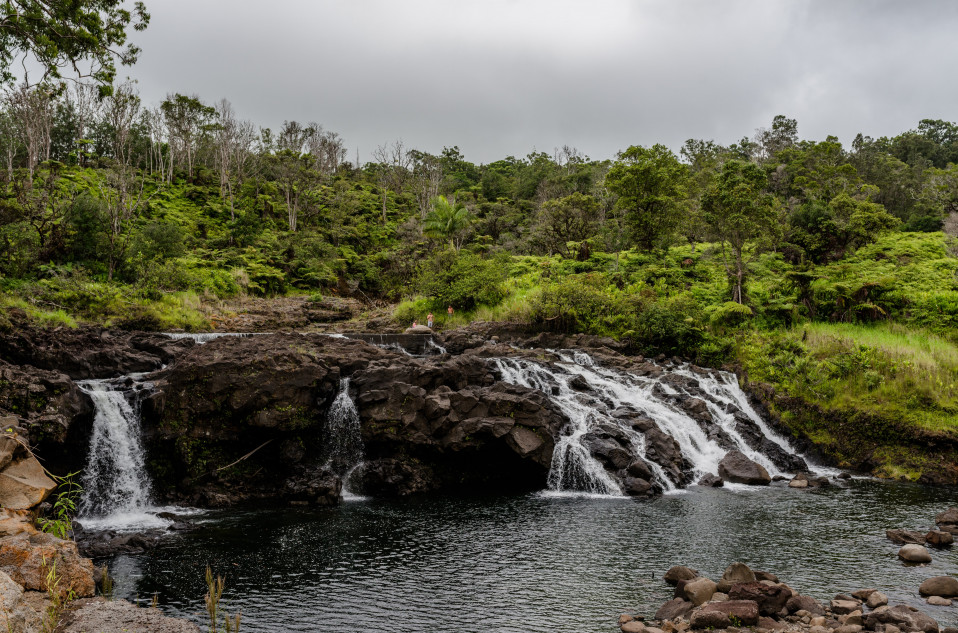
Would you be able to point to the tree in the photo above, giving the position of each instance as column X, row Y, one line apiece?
column 560, row 221
column 186, row 118
column 651, row 185
column 784, row 134
column 393, row 168
column 64, row 35
column 739, row 211
column 447, row 221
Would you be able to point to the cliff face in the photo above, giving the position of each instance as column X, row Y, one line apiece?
column 426, row 423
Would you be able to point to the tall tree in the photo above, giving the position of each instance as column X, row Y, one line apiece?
column 651, row 185
column 85, row 36
column 447, row 220
column 739, row 211
column 187, row 119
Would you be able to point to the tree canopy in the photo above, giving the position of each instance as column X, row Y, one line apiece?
column 85, row 37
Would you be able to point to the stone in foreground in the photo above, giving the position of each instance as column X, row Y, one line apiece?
column 914, row 554
column 734, row 574
column 720, row 615
column 944, row 586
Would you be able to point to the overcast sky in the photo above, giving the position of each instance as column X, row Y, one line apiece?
column 506, row 77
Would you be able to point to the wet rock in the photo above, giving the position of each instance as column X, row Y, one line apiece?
column 770, row 598
column 939, row 538
column 640, row 469
column 99, row 544
column 735, row 467
column 798, row 483
column 904, row 617
column 711, row 481
column 938, row 601
column 392, row 477
column 677, row 573
column 944, row 586
column 635, row 487
column 719, row 614
column 949, row 516
column 807, row 603
column 913, row 553
column 699, row 590
column 904, row 537
column 734, row 574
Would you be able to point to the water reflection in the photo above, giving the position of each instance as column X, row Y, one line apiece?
column 531, row 563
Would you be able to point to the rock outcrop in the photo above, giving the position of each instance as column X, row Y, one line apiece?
column 23, row 482
column 735, row 467
column 42, row 562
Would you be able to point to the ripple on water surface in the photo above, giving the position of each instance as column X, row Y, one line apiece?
column 534, row 562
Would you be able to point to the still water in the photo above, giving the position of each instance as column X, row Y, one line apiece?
column 533, row 562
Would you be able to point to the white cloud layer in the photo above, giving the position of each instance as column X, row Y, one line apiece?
column 504, row 77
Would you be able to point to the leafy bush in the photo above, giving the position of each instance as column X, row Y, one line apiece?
column 463, row 280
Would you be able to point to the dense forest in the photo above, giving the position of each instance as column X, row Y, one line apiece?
column 824, row 271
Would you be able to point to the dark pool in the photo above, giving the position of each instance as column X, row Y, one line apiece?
column 531, row 563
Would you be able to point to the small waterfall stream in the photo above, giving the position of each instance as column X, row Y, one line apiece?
column 343, row 438
column 594, row 398
column 116, row 485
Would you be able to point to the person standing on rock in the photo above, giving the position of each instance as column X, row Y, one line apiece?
column 429, row 320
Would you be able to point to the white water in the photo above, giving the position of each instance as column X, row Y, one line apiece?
column 343, row 439
column 574, row 469
column 205, row 337
column 116, row 486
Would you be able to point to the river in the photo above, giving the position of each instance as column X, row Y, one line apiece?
column 532, row 562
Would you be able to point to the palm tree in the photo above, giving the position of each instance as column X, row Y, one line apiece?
column 447, row 221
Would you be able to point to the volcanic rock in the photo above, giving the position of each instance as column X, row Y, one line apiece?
column 735, row 467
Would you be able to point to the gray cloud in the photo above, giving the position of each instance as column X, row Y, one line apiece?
column 503, row 77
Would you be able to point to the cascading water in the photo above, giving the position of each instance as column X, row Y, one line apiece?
column 206, row 337
column 343, row 437
column 589, row 395
column 115, row 482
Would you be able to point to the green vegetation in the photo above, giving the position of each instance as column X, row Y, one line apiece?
column 64, row 508
column 780, row 256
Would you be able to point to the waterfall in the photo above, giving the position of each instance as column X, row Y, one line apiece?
column 603, row 402
column 116, row 486
column 343, row 438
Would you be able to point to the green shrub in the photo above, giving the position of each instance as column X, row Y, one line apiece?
column 463, row 280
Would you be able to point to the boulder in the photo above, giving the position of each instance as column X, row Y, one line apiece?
column 734, row 574
column 904, row 537
column 675, row 608
column 939, row 538
column 949, row 516
column 944, row 586
column 632, row 626
column 862, row 594
column 635, row 487
column 800, row 481
column 902, row 616
column 913, row 553
column 719, row 615
column 770, row 598
column 764, row 575
column 23, row 482
column 698, row 591
column 770, row 625
column 938, row 601
column 735, row 467
column 876, row 599
column 807, row 603
column 28, row 559
column 841, row 607
column 677, row 573
column 711, row 481
column 17, row 616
